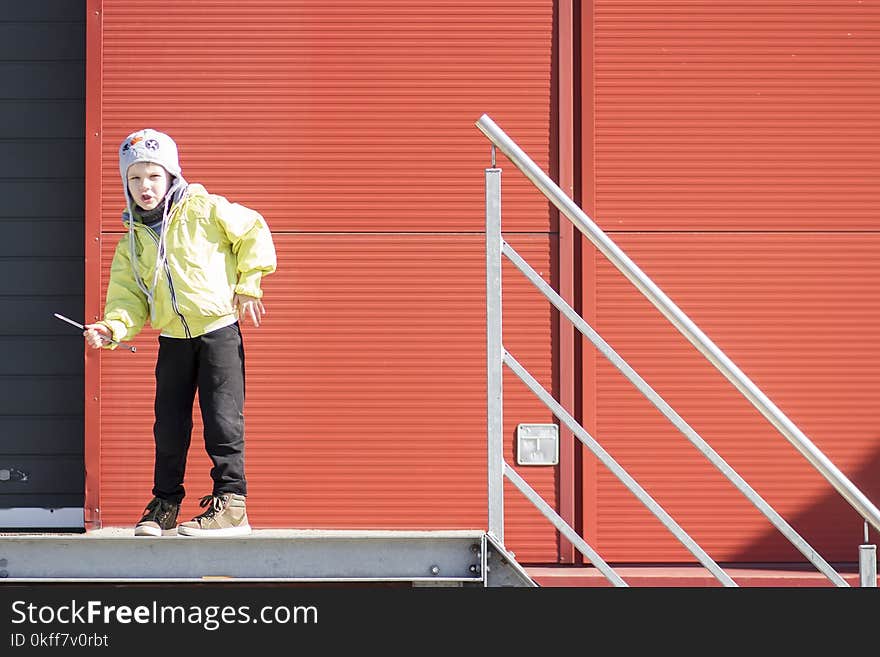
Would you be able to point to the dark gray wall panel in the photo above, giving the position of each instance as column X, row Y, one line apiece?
column 49, row 501
column 31, row 41
column 41, row 198
column 27, row 355
column 34, row 316
column 35, row 475
column 41, row 119
column 55, row 158
column 43, row 434
column 41, row 80
column 49, row 237
column 39, row 396
column 38, row 276
column 42, row 169
column 59, row 11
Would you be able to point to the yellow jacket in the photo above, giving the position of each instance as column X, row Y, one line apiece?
column 214, row 249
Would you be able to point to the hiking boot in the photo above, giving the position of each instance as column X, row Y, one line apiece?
column 225, row 516
column 159, row 519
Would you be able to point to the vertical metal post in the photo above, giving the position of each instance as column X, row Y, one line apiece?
column 867, row 562
column 494, row 353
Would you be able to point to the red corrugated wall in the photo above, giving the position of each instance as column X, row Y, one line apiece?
column 732, row 150
column 350, row 126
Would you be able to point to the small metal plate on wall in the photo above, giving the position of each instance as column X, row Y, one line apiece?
column 537, row 444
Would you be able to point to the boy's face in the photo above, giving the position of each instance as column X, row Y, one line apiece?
column 147, row 183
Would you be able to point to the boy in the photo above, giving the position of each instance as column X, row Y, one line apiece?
column 192, row 262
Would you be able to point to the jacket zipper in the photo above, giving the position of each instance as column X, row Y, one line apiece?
column 155, row 238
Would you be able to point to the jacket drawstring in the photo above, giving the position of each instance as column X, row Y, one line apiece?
column 174, row 194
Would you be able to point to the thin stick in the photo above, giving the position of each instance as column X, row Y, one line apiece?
column 131, row 348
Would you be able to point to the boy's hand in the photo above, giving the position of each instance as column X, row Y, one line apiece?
column 245, row 305
column 96, row 335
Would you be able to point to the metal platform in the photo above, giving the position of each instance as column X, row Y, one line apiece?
column 419, row 558
column 695, row 576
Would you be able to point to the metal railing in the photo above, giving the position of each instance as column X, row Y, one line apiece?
column 498, row 357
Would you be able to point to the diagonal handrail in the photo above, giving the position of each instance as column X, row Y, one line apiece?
column 681, row 321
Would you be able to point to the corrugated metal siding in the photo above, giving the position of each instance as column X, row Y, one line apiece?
column 797, row 313
column 342, row 116
column 751, row 126
column 738, row 115
column 350, row 125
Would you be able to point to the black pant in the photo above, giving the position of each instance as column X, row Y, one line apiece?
column 213, row 364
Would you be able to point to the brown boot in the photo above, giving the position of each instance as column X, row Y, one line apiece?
column 225, row 516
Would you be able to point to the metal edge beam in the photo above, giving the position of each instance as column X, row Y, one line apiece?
column 278, row 555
